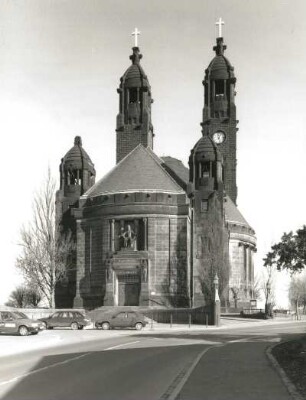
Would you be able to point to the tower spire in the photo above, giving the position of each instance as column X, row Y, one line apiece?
column 134, row 124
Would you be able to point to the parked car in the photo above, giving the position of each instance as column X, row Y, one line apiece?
column 122, row 319
column 23, row 315
column 13, row 322
column 61, row 319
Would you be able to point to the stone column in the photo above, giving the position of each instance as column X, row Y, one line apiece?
column 145, row 234
column 144, row 277
column 112, row 235
column 136, row 233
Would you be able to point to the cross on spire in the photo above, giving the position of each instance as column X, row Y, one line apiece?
column 219, row 23
column 136, row 33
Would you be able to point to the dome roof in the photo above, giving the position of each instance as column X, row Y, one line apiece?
column 205, row 148
column 220, row 67
column 77, row 158
column 135, row 76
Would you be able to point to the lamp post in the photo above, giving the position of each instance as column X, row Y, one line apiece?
column 268, row 303
column 216, row 302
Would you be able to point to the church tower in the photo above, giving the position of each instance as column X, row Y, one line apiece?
column 77, row 175
column 134, row 125
column 209, row 233
column 219, row 112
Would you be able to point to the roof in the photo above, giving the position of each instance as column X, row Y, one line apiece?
column 205, row 148
column 140, row 171
column 232, row 214
column 176, row 169
column 77, row 157
column 220, row 68
column 135, row 76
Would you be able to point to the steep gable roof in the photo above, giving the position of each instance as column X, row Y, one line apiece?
column 140, row 170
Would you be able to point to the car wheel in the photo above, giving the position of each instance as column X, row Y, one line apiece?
column 23, row 331
column 74, row 326
column 81, row 327
column 138, row 326
column 98, row 325
column 105, row 326
column 44, row 324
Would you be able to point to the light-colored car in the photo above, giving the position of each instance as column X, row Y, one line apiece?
column 121, row 319
column 13, row 322
column 64, row 319
column 23, row 315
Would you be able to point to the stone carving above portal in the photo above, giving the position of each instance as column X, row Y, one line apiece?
column 127, row 238
column 128, row 234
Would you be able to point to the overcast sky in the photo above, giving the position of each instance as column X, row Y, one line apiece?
column 60, row 65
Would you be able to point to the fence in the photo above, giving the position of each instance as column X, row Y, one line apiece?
column 199, row 316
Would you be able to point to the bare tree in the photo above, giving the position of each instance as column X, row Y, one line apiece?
column 33, row 297
column 268, row 288
column 18, row 298
column 46, row 252
column 256, row 288
column 235, row 289
column 297, row 293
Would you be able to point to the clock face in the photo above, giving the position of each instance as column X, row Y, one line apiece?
column 218, row 137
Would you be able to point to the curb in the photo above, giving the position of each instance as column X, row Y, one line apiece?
column 286, row 381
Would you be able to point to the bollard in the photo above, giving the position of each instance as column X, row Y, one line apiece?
column 170, row 320
column 189, row 320
column 206, row 320
column 152, row 321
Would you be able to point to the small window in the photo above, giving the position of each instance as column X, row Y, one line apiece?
column 206, row 170
column 133, row 95
column 219, row 88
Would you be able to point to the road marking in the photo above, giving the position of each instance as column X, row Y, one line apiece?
column 180, row 380
column 36, row 371
column 42, row 369
column 121, row 345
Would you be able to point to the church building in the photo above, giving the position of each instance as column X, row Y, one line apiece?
column 153, row 232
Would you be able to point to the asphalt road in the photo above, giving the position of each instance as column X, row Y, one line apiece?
column 220, row 364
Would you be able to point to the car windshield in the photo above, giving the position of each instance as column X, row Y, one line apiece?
column 19, row 315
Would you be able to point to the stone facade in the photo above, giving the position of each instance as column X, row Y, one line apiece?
column 151, row 232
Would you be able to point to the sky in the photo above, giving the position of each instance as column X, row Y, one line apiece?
column 60, row 65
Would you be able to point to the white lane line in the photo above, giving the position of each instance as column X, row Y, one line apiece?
column 42, row 369
column 36, row 371
column 121, row 345
column 176, row 386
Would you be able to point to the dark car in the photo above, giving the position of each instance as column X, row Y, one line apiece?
column 11, row 322
column 61, row 319
column 122, row 319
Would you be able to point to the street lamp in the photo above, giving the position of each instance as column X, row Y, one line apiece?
column 268, row 303
column 216, row 286
column 216, row 303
